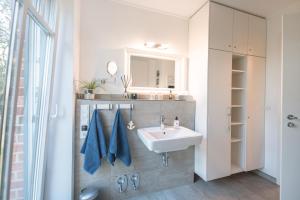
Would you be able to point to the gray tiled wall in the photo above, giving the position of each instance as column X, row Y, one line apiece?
column 153, row 176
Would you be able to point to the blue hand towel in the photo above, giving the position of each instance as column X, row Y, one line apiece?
column 119, row 147
column 94, row 147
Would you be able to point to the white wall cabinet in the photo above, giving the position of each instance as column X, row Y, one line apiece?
column 221, row 26
column 240, row 32
column 236, row 31
column 228, row 86
column 257, row 36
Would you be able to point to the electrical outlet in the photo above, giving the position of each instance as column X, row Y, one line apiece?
column 84, row 120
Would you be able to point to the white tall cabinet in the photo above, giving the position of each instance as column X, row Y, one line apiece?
column 227, row 80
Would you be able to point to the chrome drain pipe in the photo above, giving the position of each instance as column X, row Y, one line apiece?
column 165, row 159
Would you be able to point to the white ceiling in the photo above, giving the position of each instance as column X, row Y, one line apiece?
column 186, row 8
column 179, row 8
column 263, row 8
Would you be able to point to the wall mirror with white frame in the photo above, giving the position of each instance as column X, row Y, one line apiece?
column 153, row 71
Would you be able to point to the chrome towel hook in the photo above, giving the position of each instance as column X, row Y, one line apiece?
column 130, row 124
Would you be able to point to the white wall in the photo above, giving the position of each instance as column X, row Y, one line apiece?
column 59, row 172
column 273, row 89
column 101, row 37
column 108, row 27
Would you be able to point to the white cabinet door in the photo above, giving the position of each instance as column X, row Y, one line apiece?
column 257, row 36
column 218, row 120
column 240, row 32
column 255, row 137
column 220, row 27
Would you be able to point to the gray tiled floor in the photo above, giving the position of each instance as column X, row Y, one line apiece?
column 245, row 186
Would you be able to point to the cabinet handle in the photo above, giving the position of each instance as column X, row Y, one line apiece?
column 234, row 47
column 250, row 49
column 229, row 45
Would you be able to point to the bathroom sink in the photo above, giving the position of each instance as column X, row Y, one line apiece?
column 168, row 139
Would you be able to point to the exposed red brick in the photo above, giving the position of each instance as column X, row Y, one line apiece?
column 19, row 130
column 13, row 194
column 20, row 193
column 14, row 158
column 20, row 110
column 13, row 176
column 20, row 157
column 16, row 167
column 17, row 184
column 19, row 120
column 18, row 148
column 21, row 82
column 21, row 91
column 20, row 175
column 18, row 139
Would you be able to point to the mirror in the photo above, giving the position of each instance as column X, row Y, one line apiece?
column 152, row 72
column 112, row 68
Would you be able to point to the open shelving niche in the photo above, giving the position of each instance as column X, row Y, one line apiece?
column 238, row 112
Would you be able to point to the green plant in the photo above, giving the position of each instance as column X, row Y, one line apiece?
column 90, row 85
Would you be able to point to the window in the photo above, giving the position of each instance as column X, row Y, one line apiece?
column 29, row 99
column 6, row 9
column 37, row 69
column 10, row 16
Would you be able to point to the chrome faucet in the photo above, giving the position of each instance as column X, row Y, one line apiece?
column 162, row 122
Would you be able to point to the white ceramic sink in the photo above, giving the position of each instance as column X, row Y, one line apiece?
column 169, row 139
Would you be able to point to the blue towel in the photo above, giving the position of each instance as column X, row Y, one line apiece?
column 94, row 147
column 119, row 147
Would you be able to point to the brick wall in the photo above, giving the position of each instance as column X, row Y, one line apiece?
column 17, row 167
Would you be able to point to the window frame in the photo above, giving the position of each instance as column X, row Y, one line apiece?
column 36, row 192
column 10, row 97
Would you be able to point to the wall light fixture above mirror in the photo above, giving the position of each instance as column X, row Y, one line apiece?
column 153, row 45
column 155, row 71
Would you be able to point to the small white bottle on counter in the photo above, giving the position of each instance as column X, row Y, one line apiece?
column 176, row 122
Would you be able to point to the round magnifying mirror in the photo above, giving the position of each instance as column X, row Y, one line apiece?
column 112, row 68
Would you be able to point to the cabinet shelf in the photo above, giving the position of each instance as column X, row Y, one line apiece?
column 237, row 106
column 236, row 123
column 234, row 140
column 238, row 71
column 237, row 88
column 235, row 169
column 238, row 102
